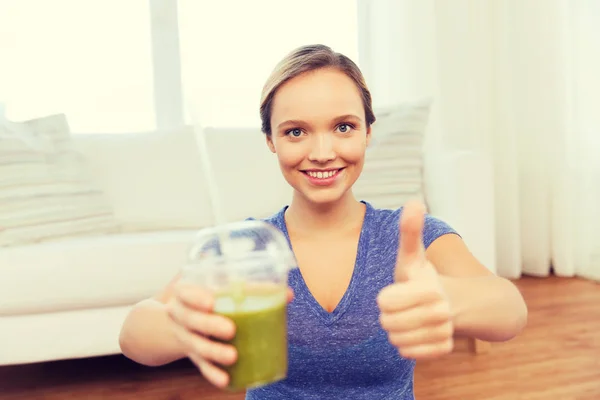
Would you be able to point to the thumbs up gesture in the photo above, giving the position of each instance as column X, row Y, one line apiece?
column 415, row 310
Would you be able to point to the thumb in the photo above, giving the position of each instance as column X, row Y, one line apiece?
column 411, row 250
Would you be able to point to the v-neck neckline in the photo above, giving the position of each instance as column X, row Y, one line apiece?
column 304, row 292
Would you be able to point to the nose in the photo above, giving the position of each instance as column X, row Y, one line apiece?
column 322, row 150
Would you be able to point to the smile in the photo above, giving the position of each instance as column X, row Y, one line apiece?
column 323, row 177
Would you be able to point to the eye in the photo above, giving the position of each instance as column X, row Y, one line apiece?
column 345, row 127
column 296, row 132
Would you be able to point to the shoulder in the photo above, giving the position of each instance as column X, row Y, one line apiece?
column 277, row 219
column 271, row 218
column 388, row 220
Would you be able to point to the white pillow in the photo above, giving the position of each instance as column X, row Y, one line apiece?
column 393, row 171
column 46, row 191
column 153, row 179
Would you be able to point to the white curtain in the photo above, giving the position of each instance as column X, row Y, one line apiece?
column 519, row 82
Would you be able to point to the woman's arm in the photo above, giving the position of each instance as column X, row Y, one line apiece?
column 484, row 306
column 147, row 335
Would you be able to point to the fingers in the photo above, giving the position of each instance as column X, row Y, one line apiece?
column 213, row 374
column 416, row 318
column 420, row 337
column 205, row 353
column 201, row 322
column 200, row 346
column 194, row 296
column 192, row 308
column 410, row 247
column 427, row 351
column 401, row 297
column 430, row 335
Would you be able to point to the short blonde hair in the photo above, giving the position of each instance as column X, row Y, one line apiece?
column 305, row 59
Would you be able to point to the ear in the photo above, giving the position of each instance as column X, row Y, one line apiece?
column 269, row 140
column 368, row 136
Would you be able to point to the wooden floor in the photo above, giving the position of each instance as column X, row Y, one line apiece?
column 556, row 358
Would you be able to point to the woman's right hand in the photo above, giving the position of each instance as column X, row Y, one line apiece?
column 196, row 328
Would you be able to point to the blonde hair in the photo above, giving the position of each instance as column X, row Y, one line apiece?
column 305, row 59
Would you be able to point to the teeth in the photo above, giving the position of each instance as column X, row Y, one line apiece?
column 322, row 175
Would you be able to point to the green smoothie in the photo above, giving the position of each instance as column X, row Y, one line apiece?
column 260, row 317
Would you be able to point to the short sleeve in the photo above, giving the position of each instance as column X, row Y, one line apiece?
column 434, row 228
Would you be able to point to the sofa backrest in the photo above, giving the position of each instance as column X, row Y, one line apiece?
column 155, row 180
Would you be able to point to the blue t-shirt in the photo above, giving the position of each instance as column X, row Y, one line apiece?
column 346, row 354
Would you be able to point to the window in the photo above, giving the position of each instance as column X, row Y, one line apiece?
column 88, row 59
column 114, row 66
column 229, row 48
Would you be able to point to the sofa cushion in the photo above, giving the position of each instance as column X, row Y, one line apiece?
column 89, row 272
column 153, row 179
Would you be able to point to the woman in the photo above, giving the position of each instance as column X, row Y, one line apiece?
column 375, row 289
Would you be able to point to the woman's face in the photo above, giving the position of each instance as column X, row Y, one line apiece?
column 319, row 134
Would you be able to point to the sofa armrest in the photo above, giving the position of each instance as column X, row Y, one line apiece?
column 459, row 190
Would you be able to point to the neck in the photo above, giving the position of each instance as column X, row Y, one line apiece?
column 305, row 216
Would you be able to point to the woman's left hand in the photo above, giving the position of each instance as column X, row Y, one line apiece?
column 415, row 310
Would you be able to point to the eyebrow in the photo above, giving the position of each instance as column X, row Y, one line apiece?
column 336, row 119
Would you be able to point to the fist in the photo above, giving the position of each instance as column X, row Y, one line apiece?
column 415, row 310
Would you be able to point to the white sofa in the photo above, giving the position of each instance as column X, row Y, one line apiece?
column 67, row 298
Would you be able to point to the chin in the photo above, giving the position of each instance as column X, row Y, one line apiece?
column 322, row 197
column 319, row 195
